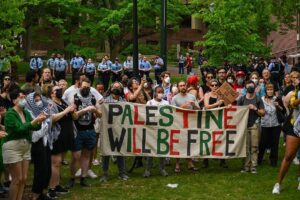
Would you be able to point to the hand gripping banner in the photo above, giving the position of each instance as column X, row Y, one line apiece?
column 167, row 131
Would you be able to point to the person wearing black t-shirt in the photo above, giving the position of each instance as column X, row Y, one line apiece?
column 84, row 121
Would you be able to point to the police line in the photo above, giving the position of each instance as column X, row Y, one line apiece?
column 166, row 131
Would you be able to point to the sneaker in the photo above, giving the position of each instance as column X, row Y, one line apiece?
column 104, row 178
column 296, row 161
column 123, row 177
column 84, row 183
column 65, row 162
column 276, row 189
column 91, row 174
column 245, row 170
column 253, row 171
column 164, row 173
column 95, row 162
column 147, row 174
column 78, row 173
column 52, row 194
column 71, row 183
column 60, row 190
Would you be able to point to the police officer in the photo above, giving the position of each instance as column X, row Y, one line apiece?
column 145, row 67
column 116, row 70
column 50, row 63
column 36, row 64
column 128, row 67
column 158, row 67
column 76, row 65
column 60, row 68
column 89, row 70
column 104, row 71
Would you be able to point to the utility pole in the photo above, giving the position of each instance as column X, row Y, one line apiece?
column 135, row 39
column 163, row 33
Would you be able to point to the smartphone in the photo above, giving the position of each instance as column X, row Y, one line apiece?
column 145, row 77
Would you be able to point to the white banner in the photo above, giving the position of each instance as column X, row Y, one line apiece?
column 167, row 131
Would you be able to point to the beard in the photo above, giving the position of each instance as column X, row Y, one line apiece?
column 183, row 90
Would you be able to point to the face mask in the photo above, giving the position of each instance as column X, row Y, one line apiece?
column 174, row 90
column 254, row 80
column 240, row 81
column 59, row 93
column 39, row 104
column 160, row 96
column 116, row 91
column 250, row 89
column 22, row 103
column 85, row 92
column 167, row 80
column 230, row 80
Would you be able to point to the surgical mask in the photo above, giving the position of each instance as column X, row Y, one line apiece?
column 174, row 90
column 59, row 93
column 254, row 80
column 39, row 104
column 160, row 96
column 250, row 89
column 167, row 79
column 240, row 81
column 85, row 92
column 22, row 103
column 230, row 80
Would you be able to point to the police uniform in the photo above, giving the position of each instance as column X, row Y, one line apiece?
column 89, row 70
column 158, row 69
column 128, row 68
column 76, row 63
column 60, row 66
column 144, row 65
column 104, row 77
column 36, row 65
column 50, row 64
column 116, row 73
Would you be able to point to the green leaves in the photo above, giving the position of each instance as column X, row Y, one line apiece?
column 236, row 29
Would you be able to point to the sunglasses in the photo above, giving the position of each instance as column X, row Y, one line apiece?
column 209, row 77
column 214, row 85
column 7, row 79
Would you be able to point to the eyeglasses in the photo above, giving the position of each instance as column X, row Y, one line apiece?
column 7, row 79
column 214, row 85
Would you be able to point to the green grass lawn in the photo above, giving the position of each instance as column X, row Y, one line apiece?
column 211, row 183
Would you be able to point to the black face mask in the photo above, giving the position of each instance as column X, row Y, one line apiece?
column 116, row 91
column 59, row 93
column 250, row 90
column 85, row 92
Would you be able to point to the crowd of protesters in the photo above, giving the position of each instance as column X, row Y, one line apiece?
column 44, row 118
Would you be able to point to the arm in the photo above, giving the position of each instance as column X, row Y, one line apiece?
column 58, row 116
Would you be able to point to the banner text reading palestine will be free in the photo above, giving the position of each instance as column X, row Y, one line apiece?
column 166, row 131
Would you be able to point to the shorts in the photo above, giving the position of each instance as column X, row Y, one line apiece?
column 85, row 140
column 16, row 150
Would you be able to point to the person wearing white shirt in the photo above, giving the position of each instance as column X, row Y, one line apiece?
column 156, row 101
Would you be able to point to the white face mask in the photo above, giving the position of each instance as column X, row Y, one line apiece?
column 160, row 96
column 230, row 80
column 22, row 103
column 39, row 104
column 254, row 80
column 167, row 79
column 174, row 90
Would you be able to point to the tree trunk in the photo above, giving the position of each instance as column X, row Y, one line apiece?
column 27, row 37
